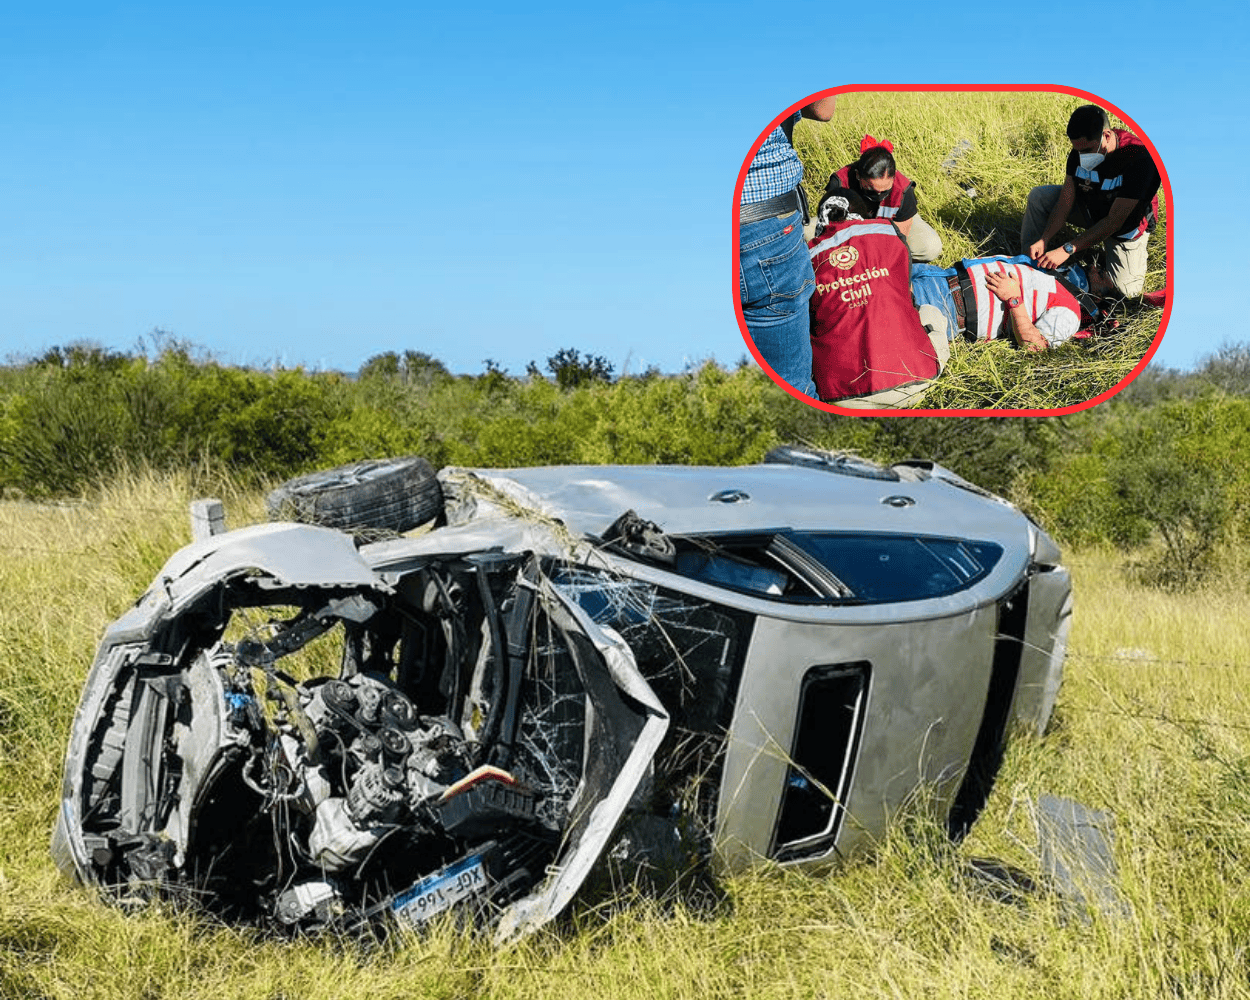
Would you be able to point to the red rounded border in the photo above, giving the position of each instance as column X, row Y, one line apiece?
column 954, row 88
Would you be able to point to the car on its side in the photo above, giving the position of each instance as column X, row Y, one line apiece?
column 348, row 723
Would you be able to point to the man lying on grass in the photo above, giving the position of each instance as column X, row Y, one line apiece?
column 879, row 328
column 1009, row 297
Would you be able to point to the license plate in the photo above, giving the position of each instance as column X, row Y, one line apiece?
column 440, row 891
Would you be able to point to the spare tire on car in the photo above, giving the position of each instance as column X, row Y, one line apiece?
column 384, row 494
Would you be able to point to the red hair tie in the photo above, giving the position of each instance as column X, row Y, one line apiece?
column 869, row 142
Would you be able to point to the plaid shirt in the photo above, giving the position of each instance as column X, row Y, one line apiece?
column 775, row 170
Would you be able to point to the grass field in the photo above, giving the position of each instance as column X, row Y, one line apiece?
column 1153, row 725
column 1015, row 141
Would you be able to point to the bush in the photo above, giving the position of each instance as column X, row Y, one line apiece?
column 1161, row 482
column 1182, row 479
column 72, row 425
column 1157, row 473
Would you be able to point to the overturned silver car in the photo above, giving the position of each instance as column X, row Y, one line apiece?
column 300, row 727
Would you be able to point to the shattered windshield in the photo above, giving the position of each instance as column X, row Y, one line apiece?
column 690, row 651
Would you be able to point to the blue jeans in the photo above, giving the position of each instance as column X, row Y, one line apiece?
column 776, row 281
column 930, row 285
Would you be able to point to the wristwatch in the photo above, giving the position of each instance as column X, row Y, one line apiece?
column 1069, row 249
column 1012, row 303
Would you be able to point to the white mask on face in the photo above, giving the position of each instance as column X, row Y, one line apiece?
column 1090, row 160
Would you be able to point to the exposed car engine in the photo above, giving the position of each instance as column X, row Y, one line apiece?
column 431, row 770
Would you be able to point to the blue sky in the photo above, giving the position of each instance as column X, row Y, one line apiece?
column 315, row 183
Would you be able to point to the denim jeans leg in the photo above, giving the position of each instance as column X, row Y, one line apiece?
column 776, row 282
column 930, row 285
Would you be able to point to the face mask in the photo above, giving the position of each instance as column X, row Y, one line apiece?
column 1090, row 160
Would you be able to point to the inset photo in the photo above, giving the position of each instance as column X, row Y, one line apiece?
column 973, row 251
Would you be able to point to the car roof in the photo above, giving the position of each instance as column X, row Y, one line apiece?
column 680, row 499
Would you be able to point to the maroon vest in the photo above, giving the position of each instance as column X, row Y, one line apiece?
column 1126, row 138
column 893, row 200
column 866, row 335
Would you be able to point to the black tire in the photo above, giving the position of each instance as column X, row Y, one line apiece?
column 828, row 461
column 385, row 494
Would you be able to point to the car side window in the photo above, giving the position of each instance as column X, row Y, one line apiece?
column 763, row 565
column 885, row 568
column 800, row 567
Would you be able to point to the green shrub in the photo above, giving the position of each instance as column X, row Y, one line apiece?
column 71, row 426
column 1182, row 479
column 1158, row 474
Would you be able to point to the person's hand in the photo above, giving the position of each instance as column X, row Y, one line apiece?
column 1037, row 249
column 1055, row 258
column 1005, row 286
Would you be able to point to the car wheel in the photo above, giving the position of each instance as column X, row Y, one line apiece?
column 818, row 458
column 389, row 494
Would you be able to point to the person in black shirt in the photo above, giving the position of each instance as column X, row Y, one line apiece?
column 1110, row 190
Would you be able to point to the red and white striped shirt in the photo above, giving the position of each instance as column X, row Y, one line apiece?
column 1051, row 307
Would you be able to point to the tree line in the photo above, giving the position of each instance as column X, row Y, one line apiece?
column 1158, row 471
